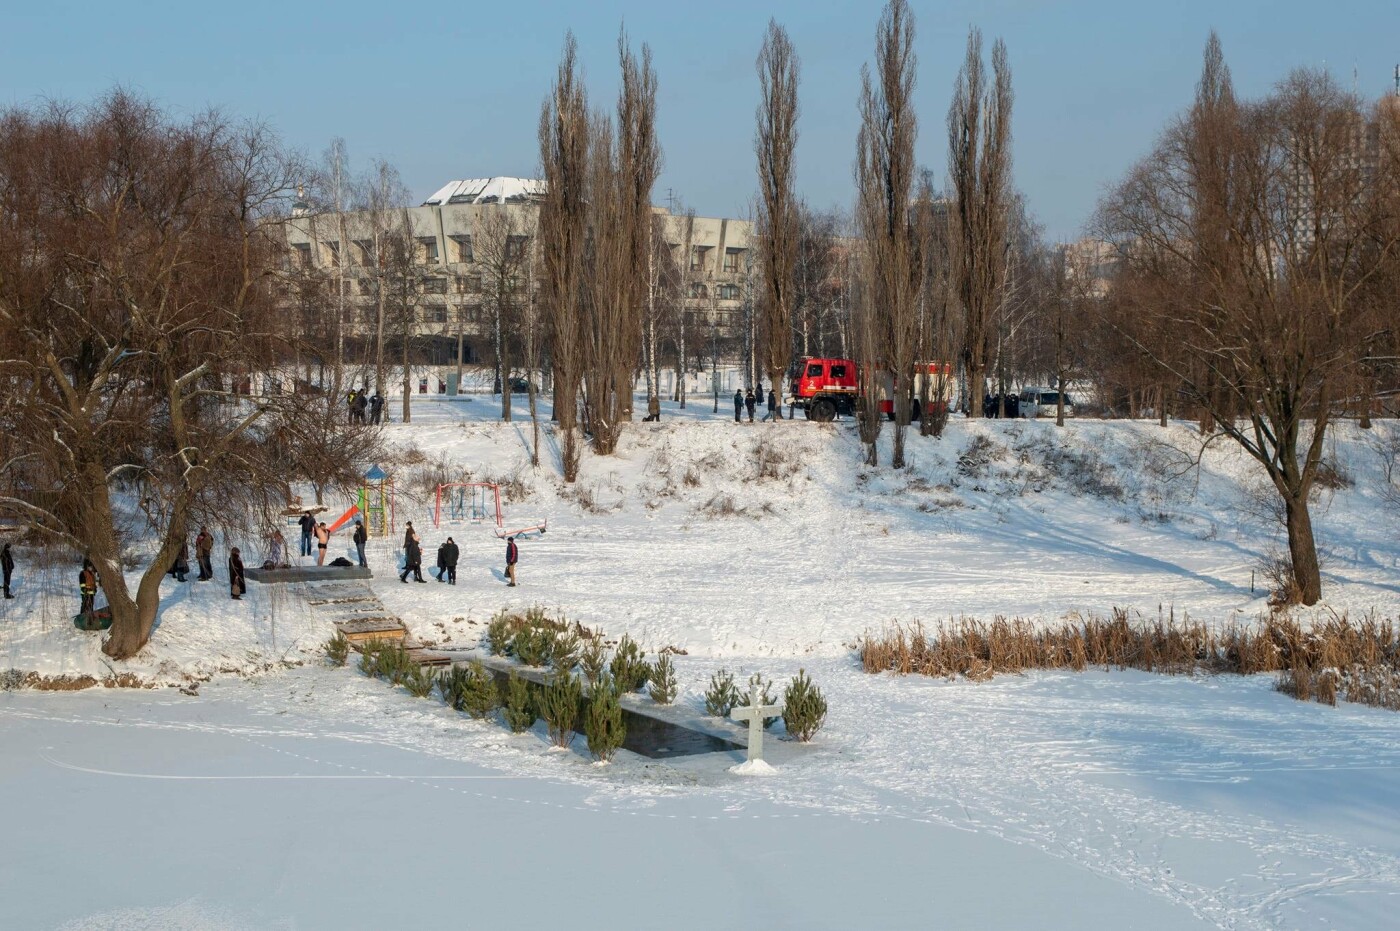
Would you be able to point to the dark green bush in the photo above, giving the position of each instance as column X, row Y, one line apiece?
column 533, row 646
column 602, row 722
column 480, row 696
column 721, row 696
column 338, row 649
column 559, row 708
column 594, row 660
column 765, row 687
column 419, row 680
column 520, row 704
column 629, row 667
column 804, row 707
column 663, row 680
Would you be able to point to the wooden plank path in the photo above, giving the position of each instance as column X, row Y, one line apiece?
column 355, row 610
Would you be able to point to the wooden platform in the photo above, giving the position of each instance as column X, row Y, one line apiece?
column 365, row 629
column 307, row 574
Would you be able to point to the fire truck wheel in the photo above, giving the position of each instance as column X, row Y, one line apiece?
column 823, row 411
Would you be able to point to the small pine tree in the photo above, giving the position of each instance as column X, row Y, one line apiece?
column 594, row 661
column 520, row 705
column 451, row 683
column 533, row 646
column 559, row 708
column 663, row 680
column 499, row 633
column 394, row 663
column 804, row 707
column 369, row 657
column 480, row 696
column 721, row 696
column 629, row 667
column 765, row 695
column 338, row 649
column 602, row 722
column 564, row 651
column 418, row 680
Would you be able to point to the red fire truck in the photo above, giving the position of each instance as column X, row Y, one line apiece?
column 827, row 388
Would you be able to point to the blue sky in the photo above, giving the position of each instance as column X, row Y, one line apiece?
column 448, row 91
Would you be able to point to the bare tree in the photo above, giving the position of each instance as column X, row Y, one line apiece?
column 1258, row 229
column 138, row 258
column 885, row 176
column 778, row 217
column 564, row 146
column 501, row 248
column 979, row 158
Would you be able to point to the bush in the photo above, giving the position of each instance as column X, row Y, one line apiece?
column 452, row 684
column 419, row 680
column 602, row 723
column 663, row 680
column 804, row 708
column 564, row 651
column 480, row 696
column 533, row 646
column 559, row 708
column 721, row 696
column 369, row 657
column 629, row 667
column 765, row 696
column 520, row 705
column 337, row 649
column 394, row 663
column 594, row 661
column 499, row 633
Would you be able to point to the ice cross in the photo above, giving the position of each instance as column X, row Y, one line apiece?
column 754, row 714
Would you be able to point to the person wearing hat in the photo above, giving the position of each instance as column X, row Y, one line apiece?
column 360, row 538
column 412, row 555
column 449, row 556
column 7, row 566
column 87, row 586
column 512, row 556
column 237, row 586
column 738, row 404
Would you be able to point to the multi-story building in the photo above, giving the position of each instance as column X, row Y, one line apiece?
column 470, row 241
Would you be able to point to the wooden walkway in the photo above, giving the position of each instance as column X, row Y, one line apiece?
column 355, row 610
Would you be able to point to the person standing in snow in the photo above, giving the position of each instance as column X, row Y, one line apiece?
column 87, row 586
column 512, row 557
column 308, row 527
column 237, row 587
column 204, row 553
column 7, row 567
column 449, row 561
column 277, row 548
column 750, row 402
column 412, row 555
column 360, row 538
column 653, row 408
column 323, row 540
column 361, row 402
column 350, row 405
column 376, row 408
column 738, row 404
column 181, row 567
column 441, row 562
column 772, row 406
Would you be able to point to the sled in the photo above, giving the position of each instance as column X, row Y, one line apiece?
column 101, row 619
column 540, row 528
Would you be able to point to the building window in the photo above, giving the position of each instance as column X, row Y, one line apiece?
column 428, row 250
column 698, row 290
column 464, row 248
column 729, row 292
column 333, row 254
column 303, row 254
column 438, row 312
column 366, row 287
column 366, row 247
column 516, row 246
column 731, row 259
column 435, row 286
column 697, row 257
column 474, row 284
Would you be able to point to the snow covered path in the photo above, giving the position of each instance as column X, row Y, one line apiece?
column 302, row 799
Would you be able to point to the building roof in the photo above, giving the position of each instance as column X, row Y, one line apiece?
column 488, row 191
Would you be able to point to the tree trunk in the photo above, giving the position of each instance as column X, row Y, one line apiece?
column 1060, row 401
column 1303, row 549
column 407, row 380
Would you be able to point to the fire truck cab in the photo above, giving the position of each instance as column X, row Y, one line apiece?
column 825, row 388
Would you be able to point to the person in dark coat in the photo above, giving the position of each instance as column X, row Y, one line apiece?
column 412, row 556
column 772, row 406
column 441, row 562
column 87, row 586
column 308, row 527
column 204, row 553
column 376, row 408
column 181, row 567
column 750, row 402
column 512, row 557
column 361, row 403
column 7, row 567
column 738, row 404
column 449, row 561
column 653, row 408
column 361, row 537
column 237, row 586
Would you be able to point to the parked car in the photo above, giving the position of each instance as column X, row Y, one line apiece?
column 519, row 386
column 1042, row 402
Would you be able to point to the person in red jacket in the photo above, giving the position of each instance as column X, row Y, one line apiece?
column 512, row 557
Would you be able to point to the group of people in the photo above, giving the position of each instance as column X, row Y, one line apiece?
column 358, row 403
column 204, row 558
column 447, row 556
column 747, row 400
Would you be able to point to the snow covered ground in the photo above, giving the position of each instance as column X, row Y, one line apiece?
column 312, row 797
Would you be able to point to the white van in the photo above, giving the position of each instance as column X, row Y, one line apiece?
column 1041, row 402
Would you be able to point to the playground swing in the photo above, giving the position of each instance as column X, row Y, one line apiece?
column 477, row 503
